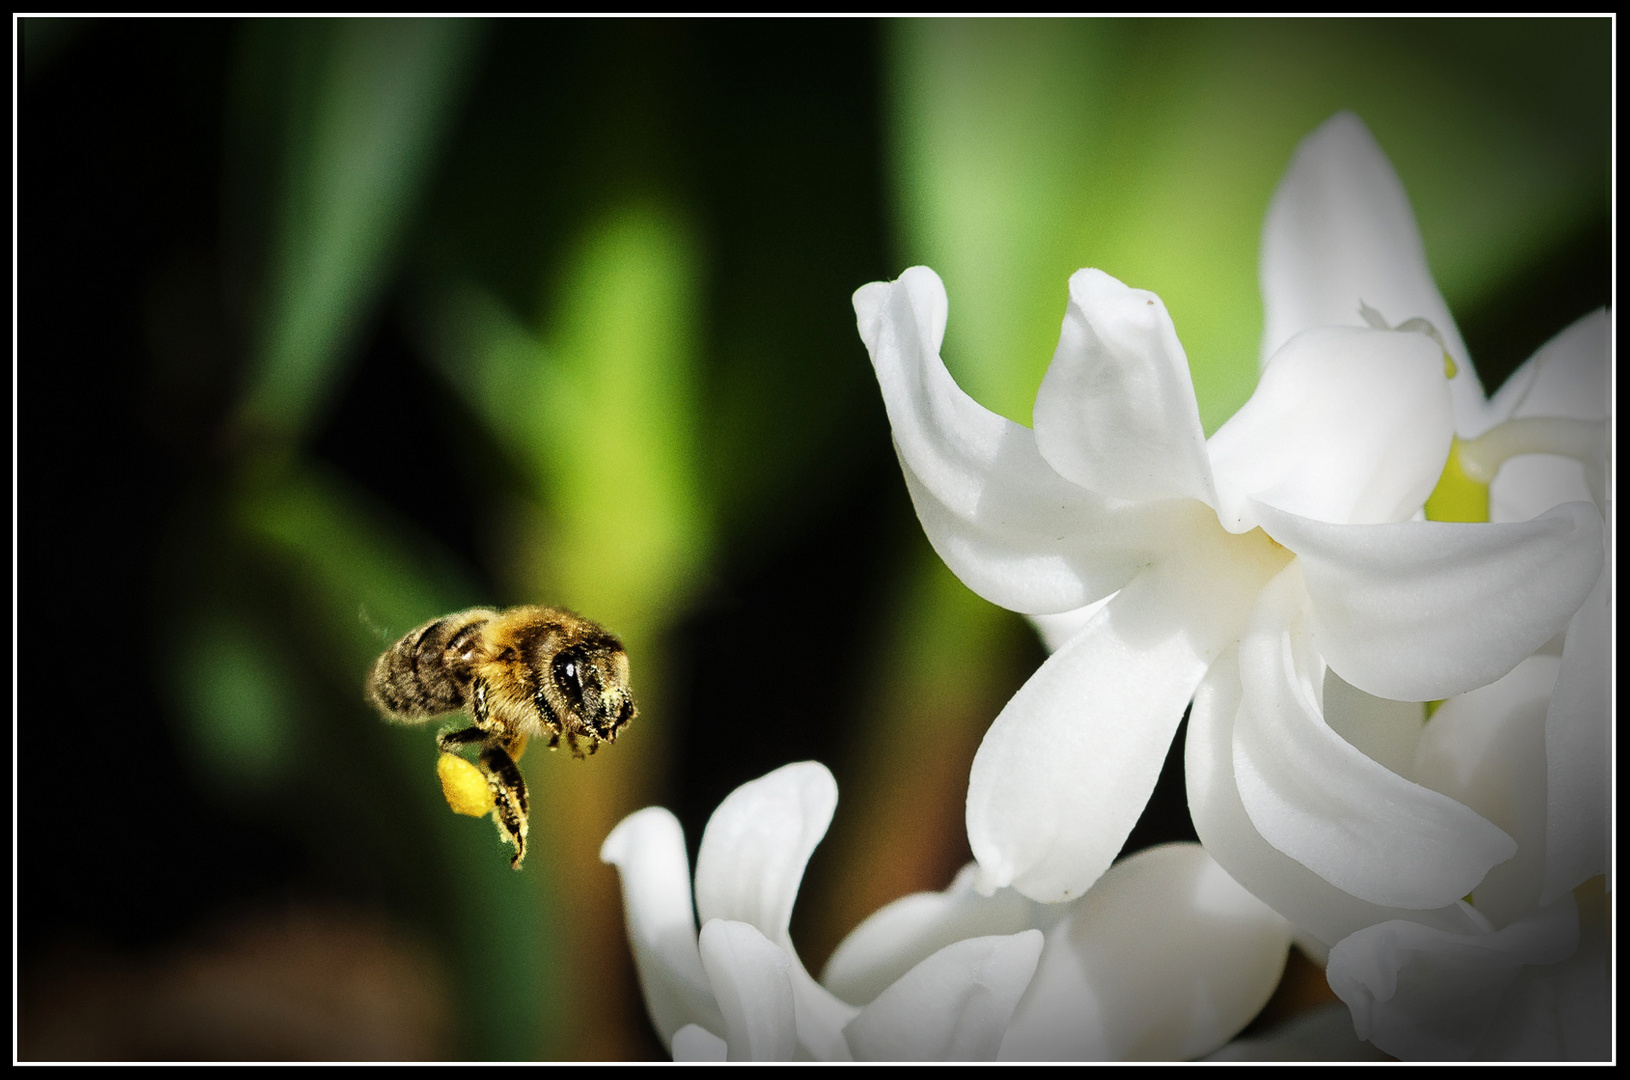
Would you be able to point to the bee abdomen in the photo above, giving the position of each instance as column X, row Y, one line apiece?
column 427, row 673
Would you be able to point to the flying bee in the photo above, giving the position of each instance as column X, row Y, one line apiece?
column 527, row 672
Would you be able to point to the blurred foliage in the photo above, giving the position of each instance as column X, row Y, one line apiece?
column 600, row 421
column 1024, row 150
column 335, row 126
column 404, row 316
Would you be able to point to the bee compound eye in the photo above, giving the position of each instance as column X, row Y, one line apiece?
column 568, row 670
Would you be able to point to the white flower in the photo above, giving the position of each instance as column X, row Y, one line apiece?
column 1237, row 569
column 1324, row 1033
column 1521, row 971
column 1563, row 391
column 737, row 990
column 1166, row 957
column 1529, row 977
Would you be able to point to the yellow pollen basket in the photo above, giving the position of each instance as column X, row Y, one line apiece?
column 463, row 786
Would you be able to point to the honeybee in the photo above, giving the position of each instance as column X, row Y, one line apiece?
column 522, row 673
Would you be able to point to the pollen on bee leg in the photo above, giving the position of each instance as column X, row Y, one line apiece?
column 463, row 786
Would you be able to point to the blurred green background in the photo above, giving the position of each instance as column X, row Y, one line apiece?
column 330, row 327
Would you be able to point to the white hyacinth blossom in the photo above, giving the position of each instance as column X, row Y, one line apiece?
column 1525, row 977
column 1521, row 970
column 1166, row 958
column 737, row 990
column 1241, row 566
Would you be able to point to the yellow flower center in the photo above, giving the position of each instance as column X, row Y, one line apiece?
column 1462, row 493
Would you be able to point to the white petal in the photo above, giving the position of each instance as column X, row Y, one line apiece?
column 750, row 978
column 1578, row 817
column 1067, row 767
column 1422, row 610
column 901, row 935
column 1567, row 377
column 821, row 1017
column 757, row 844
column 1530, row 484
column 1165, row 959
column 1321, row 1034
column 1316, row 907
column 696, row 1043
column 1486, row 749
column 1584, row 982
column 1526, row 1025
column 954, row 1006
column 1116, row 412
column 1340, row 233
column 648, row 850
column 1028, row 550
column 1057, row 628
column 752, row 859
column 1387, row 732
column 1424, row 994
column 1321, row 801
column 1009, row 526
column 1347, row 426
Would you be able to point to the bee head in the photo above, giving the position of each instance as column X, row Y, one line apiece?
column 592, row 678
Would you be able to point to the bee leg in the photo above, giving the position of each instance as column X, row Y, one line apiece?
column 509, row 798
column 549, row 718
column 571, row 744
column 449, row 741
column 484, row 729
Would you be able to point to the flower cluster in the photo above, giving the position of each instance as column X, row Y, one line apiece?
column 936, row 976
column 1350, row 545
column 1518, row 970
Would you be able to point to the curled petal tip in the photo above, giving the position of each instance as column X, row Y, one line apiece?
column 868, row 301
column 1116, row 413
column 653, row 822
column 757, row 843
column 987, row 881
